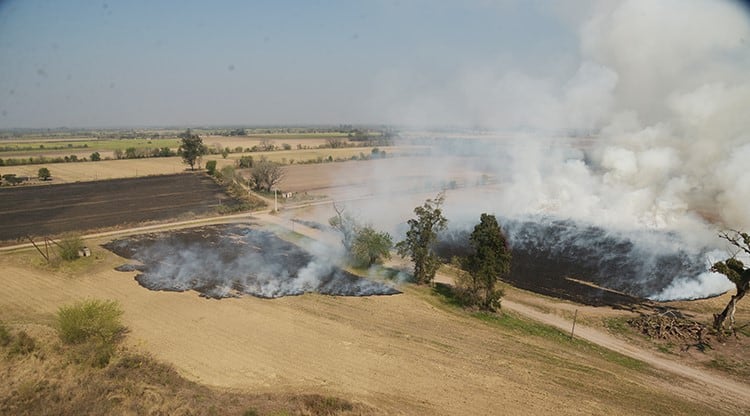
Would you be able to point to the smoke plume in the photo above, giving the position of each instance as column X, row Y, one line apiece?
column 229, row 261
column 645, row 139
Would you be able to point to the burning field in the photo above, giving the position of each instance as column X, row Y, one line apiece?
column 223, row 261
column 597, row 266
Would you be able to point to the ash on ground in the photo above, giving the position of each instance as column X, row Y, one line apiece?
column 589, row 264
column 222, row 261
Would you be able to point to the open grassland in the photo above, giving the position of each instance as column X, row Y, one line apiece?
column 413, row 353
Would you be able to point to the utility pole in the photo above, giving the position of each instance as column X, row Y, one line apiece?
column 575, row 317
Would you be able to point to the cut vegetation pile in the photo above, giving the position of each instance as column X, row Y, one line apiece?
column 671, row 326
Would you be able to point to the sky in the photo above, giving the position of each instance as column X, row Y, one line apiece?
column 122, row 63
column 166, row 63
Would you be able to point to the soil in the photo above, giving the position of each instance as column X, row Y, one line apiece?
column 56, row 209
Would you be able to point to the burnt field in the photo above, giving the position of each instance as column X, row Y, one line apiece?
column 589, row 264
column 56, row 209
column 221, row 261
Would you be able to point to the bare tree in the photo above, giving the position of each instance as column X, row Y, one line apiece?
column 345, row 224
column 265, row 174
column 736, row 271
column 335, row 142
column 266, row 144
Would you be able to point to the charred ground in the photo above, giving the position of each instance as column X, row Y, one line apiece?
column 585, row 263
column 222, row 261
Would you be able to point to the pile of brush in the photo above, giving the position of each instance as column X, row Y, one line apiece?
column 670, row 326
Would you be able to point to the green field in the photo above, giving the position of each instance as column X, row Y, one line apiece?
column 12, row 147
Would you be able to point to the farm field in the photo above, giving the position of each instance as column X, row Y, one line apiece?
column 55, row 209
column 129, row 168
column 84, row 146
column 402, row 354
column 410, row 353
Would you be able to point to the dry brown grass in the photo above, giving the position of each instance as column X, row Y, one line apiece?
column 48, row 381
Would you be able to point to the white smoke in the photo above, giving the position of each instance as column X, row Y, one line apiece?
column 664, row 89
column 226, row 261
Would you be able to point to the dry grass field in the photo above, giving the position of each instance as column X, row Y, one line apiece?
column 128, row 168
column 403, row 354
column 412, row 353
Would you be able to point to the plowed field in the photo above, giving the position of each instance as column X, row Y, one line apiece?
column 55, row 209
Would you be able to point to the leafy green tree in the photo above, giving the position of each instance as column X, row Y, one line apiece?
column 370, row 247
column 192, row 148
column 95, row 157
column 44, row 174
column 225, row 152
column 737, row 272
column 421, row 238
column 490, row 260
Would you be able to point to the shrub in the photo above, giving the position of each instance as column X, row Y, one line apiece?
column 90, row 319
column 211, row 167
column 323, row 405
column 23, row 344
column 5, row 337
column 43, row 174
column 69, row 246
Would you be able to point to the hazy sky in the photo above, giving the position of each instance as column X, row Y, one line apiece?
column 123, row 63
column 115, row 63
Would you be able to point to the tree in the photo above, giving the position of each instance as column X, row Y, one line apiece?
column 345, row 224
column 44, row 174
column 191, row 148
column 245, row 162
column 265, row 174
column 490, row 259
column 96, row 156
column 421, row 238
column 370, row 246
column 364, row 245
column 737, row 273
column 335, row 142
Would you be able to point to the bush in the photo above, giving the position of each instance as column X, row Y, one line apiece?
column 23, row 344
column 211, row 167
column 90, row 319
column 43, row 174
column 69, row 246
column 323, row 405
column 5, row 337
